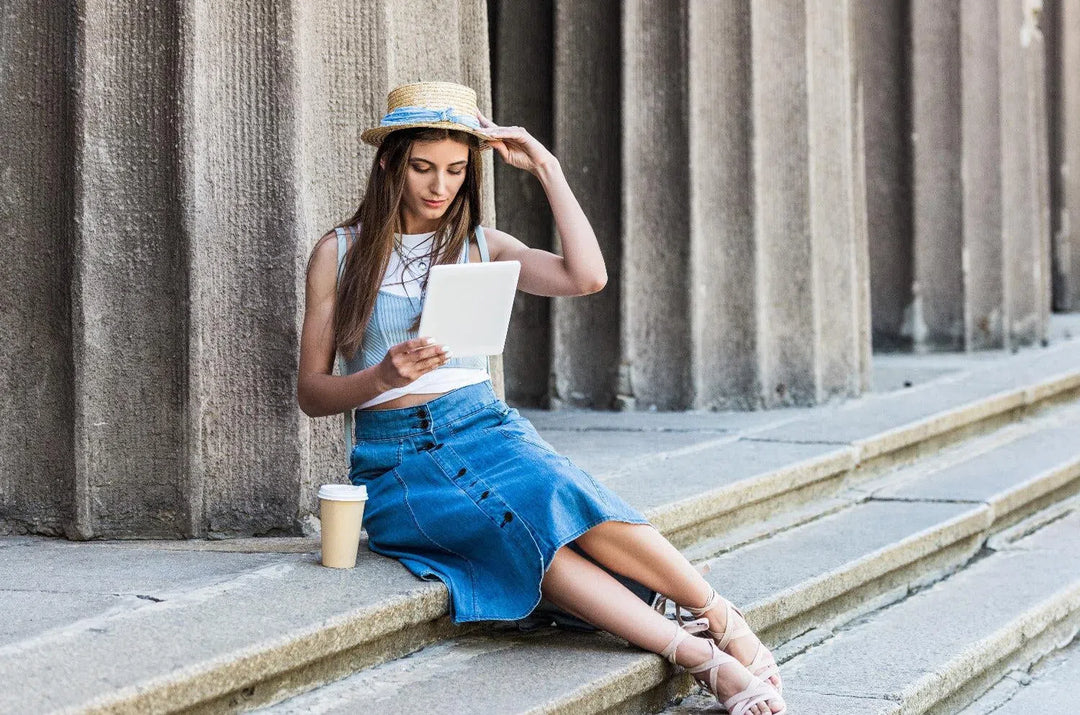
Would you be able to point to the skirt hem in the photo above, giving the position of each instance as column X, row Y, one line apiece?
column 544, row 569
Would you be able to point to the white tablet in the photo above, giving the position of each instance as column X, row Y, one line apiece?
column 467, row 306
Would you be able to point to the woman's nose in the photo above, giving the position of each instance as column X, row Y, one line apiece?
column 438, row 184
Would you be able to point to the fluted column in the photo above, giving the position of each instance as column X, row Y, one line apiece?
column 522, row 64
column 883, row 38
column 937, row 314
column 724, row 255
column 129, row 284
column 732, row 217
column 240, row 217
column 37, row 226
column 1025, row 188
column 813, row 319
column 656, row 270
column 979, row 132
column 1063, row 28
column 168, row 168
column 587, row 102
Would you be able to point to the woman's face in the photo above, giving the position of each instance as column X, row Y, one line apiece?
column 433, row 177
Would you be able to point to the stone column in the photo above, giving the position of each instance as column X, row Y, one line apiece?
column 813, row 314
column 937, row 313
column 1063, row 57
column 240, row 218
column 883, row 36
column 724, row 255
column 130, row 290
column 169, row 168
column 1025, row 192
column 587, row 105
column 656, row 271
column 733, row 220
column 980, row 235
column 522, row 69
column 37, row 228
column 980, row 166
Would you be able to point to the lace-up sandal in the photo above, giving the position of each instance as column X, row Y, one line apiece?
column 763, row 665
column 757, row 691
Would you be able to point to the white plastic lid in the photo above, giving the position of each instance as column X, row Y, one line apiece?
column 343, row 492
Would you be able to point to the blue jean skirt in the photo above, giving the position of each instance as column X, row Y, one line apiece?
column 463, row 489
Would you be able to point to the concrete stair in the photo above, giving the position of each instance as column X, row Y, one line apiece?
column 1050, row 686
column 817, row 522
column 822, row 574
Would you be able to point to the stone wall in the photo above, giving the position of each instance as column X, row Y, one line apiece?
column 718, row 151
column 771, row 183
column 164, row 172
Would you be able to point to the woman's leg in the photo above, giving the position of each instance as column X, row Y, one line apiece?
column 640, row 552
column 582, row 588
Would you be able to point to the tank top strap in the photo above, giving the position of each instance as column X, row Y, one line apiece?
column 347, row 415
column 481, row 242
column 343, row 243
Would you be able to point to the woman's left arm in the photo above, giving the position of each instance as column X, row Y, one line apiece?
column 580, row 270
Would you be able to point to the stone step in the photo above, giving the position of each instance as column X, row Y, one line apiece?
column 942, row 647
column 795, row 586
column 751, row 466
column 283, row 628
column 1051, row 686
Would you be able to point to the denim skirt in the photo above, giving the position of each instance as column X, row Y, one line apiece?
column 463, row 489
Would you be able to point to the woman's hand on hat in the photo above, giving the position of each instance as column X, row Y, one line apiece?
column 407, row 361
column 516, row 146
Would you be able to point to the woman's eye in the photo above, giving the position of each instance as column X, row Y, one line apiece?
column 458, row 173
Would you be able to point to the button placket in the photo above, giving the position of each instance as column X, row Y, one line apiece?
column 486, row 498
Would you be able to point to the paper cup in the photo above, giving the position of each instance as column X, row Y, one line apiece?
column 341, row 511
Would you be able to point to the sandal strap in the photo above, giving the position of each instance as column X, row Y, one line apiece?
column 731, row 632
column 763, row 662
column 756, row 691
column 673, row 645
column 709, row 602
column 710, row 666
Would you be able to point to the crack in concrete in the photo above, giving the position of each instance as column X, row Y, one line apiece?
column 794, row 441
column 888, row 697
column 926, row 500
column 638, row 430
column 66, row 592
column 1039, row 526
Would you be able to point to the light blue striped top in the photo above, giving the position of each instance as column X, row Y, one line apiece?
column 392, row 316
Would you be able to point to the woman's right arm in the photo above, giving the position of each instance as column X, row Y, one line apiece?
column 318, row 391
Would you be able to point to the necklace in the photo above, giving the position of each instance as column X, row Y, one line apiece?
column 407, row 255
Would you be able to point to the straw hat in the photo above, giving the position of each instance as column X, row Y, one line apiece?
column 442, row 105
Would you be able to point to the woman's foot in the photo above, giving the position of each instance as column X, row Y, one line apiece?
column 740, row 692
column 730, row 631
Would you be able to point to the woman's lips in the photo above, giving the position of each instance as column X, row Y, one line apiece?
column 434, row 204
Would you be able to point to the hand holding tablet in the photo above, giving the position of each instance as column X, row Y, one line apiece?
column 467, row 306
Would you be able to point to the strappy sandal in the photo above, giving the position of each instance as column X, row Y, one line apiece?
column 762, row 665
column 757, row 691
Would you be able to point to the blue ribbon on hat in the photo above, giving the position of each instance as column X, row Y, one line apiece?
column 414, row 115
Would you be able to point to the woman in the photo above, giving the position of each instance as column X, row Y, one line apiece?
column 460, row 486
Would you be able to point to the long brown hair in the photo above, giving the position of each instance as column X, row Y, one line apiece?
column 379, row 214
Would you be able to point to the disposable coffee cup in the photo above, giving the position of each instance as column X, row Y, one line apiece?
column 341, row 511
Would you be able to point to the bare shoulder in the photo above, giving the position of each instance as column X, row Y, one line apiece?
column 501, row 245
column 322, row 267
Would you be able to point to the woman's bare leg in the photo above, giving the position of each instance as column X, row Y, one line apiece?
column 640, row 552
column 578, row 586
